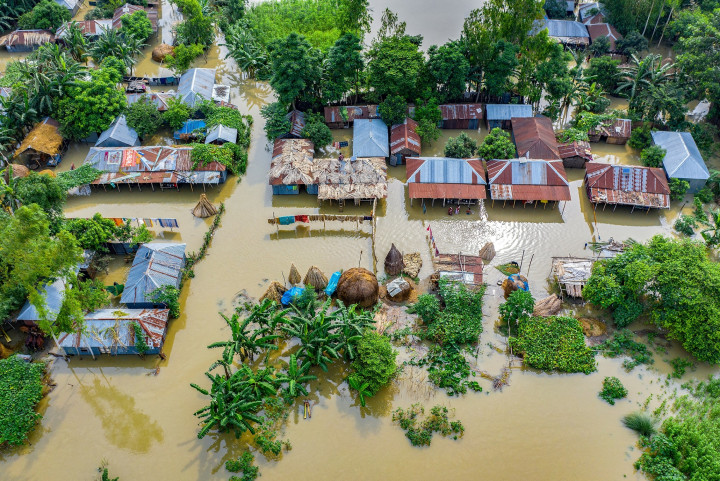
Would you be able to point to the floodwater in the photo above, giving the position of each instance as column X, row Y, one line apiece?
column 137, row 414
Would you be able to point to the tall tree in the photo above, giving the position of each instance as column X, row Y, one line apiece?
column 343, row 68
column 295, row 68
column 448, row 70
column 394, row 67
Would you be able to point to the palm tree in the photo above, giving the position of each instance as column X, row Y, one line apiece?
column 243, row 48
column 113, row 44
column 711, row 235
column 75, row 42
column 640, row 75
column 295, row 377
column 244, row 342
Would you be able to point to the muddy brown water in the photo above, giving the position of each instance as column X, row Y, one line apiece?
column 540, row 426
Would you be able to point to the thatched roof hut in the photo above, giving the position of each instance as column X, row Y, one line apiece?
column 412, row 263
column 44, row 139
column 315, row 278
column 204, row 208
column 274, row 292
column 294, row 277
column 358, row 286
column 351, row 179
column 394, row 262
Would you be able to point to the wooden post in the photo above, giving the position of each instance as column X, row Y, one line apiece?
column 529, row 265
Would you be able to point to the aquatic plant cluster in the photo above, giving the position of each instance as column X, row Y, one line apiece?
column 419, row 429
column 612, row 390
column 20, row 390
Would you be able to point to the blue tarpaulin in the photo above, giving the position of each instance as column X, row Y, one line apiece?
column 332, row 283
column 291, row 295
column 516, row 277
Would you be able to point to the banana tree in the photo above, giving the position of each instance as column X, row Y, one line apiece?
column 319, row 344
column 295, row 377
column 362, row 389
column 244, row 341
column 711, row 235
column 350, row 323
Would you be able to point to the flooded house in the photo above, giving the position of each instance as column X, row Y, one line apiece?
column 629, row 185
column 297, row 124
column 119, row 134
column 26, row 40
column 113, row 331
column 196, row 85
column 461, row 116
column 72, row 5
column 528, row 181
column 362, row 179
column 221, row 134
column 292, row 167
column 165, row 166
column 42, row 145
column 575, row 154
column 500, row 115
column 616, row 131
column 458, row 180
column 567, row 32
column 597, row 30
column 682, row 159
column 370, row 139
column 156, row 264
column 191, row 129
column 591, row 13
column 129, row 9
column 341, row 117
column 535, row 138
column 160, row 99
column 571, row 274
column 404, row 142
column 91, row 29
column 53, row 295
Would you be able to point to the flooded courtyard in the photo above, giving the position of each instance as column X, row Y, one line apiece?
column 138, row 414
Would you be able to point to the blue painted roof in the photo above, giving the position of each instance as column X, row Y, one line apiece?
column 507, row 111
column 156, row 264
column 446, row 170
column 118, row 135
column 682, row 158
column 370, row 138
column 195, row 85
column 188, row 127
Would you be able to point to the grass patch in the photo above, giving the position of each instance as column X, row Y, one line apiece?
column 20, row 391
column 508, row 269
column 640, row 422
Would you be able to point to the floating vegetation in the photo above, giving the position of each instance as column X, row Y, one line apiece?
column 419, row 432
column 509, row 268
column 624, row 344
column 612, row 390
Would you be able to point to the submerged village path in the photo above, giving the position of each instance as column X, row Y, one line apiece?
column 137, row 414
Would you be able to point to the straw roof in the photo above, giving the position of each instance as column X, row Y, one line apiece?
column 294, row 277
column 18, row 171
column 549, row 306
column 274, row 292
column 315, row 278
column 412, row 264
column 44, row 138
column 487, row 253
column 292, row 162
column 204, row 208
column 394, row 262
column 364, row 178
column 358, row 286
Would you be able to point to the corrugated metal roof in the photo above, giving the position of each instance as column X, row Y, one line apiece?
column 682, row 157
column 53, row 294
column 563, row 28
column 618, row 129
column 98, row 325
column 585, row 8
column 627, row 184
column 444, row 170
column 71, row 5
column 118, row 135
column 535, row 138
column 461, row 111
column 333, row 115
column 156, row 264
column 221, row 132
column 604, row 30
column 160, row 99
column 89, row 28
column 525, row 179
column 370, row 138
column 529, row 192
column 27, row 38
column 196, row 85
column 404, row 138
column 128, row 9
column 447, row 191
column 507, row 111
column 297, row 123
column 576, row 149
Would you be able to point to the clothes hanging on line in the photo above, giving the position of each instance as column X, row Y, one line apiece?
column 302, row 218
column 286, row 220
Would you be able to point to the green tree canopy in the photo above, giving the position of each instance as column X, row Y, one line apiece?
column 447, row 70
column 343, row 68
column 393, row 110
column 460, row 147
column 295, row 68
column 652, row 156
column 46, row 14
column 276, row 121
column 137, row 25
column 394, row 67
column 45, row 191
column 143, row 116
column 428, row 116
column 317, row 131
column 375, row 361
column 183, row 56
column 177, row 113
column 497, row 145
column 604, row 70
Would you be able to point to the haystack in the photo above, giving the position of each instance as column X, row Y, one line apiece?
column 358, row 286
column 47, row 172
column 18, row 171
column 204, row 208
column 487, row 253
column 315, row 278
column 294, row 277
column 413, row 264
column 547, row 307
column 44, row 138
column 274, row 292
column 161, row 51
column 394, row 262
column 510, row 286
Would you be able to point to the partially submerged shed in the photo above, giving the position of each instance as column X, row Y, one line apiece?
column 575, row 154
column 535, row 138
column 26, row 40
column 631, row 185
column 370, row 139
column 42, row 144
column 292, row 166
column 446, row 179
column 196, row 85
column 616, row 131
column 404, row 142
column 221, row 134
column 500, row 115
column 461, row 116
column 297, row 124
column 191, row 129
column 118, row 135
column 528, row 180
column 571, row 274
column 682, row 159
column 156, row 264
column 160, row 99
column 341, row 117
column 112, row 331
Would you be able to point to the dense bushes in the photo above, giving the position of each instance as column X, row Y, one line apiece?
column 375, row 361
column 554, row 344
column 20, row 391
column 612, row 390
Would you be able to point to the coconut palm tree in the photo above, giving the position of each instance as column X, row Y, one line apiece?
column 76, row 43
column 295, row 376
column 640, row 75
